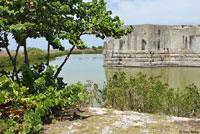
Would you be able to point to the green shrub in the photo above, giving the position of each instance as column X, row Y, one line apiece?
column 94, row 47
column 5, row 61
column 35, row 51
column 150, row 95
column 37, row 94
column 100, row 47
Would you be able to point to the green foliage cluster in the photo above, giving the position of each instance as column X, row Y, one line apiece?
column 55, row 21
column 5, row 62
column 35, row 51
column 150, row 95
column 100, row 47
column 37, row 95
column 94, row 47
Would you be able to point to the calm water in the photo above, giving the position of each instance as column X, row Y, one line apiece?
column 82, row 68
column 90, row 67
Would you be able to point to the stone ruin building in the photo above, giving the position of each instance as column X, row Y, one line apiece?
column 155, row 45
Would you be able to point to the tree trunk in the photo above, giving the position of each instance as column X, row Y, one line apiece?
column 25, row 53
column 9, row 54
column 12, row 60
column 48, row 53
column 66, row 58
column 15, row 64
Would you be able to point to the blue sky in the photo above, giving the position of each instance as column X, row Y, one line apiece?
column 163, row 12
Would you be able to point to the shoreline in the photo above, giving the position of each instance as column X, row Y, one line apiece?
column 38, row 58
column 4, row 53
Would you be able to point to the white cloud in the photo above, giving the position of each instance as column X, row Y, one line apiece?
column 167, row 12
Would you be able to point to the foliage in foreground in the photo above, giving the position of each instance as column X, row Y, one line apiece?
column 55, row 21
column 37, row 95
column 150, row 95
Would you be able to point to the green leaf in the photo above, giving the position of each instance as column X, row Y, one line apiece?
column 17, row 27
column 56, row 101
column 40, row 97
column 9, row 123
column 2, row 97
column 48, row 103
column 81, row 96
column 3, row 78
column 27, row 128
column 28, row 24
column 1, row 23
column 69, row 101
column 63, row 36
column 36, row 117
column 2, row 124
column 38, row 127
column 16, row 92
column 40, row 111
column 65, row 8
column 40, row 82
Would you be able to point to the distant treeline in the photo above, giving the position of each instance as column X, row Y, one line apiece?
column 37, row 55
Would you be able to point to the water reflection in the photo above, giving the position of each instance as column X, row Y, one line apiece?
column 90, row 67
column 176, row 77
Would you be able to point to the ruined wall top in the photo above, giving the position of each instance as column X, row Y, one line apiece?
column 158, row 37
column 172, row 26
column 155, row 45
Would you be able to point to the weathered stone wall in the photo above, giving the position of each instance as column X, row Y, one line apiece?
column 155, row 45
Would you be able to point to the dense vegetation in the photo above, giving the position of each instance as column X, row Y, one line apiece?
column 30, row 93
column 150, row 95
column 37, row 94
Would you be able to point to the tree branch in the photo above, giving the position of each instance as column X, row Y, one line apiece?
column 84, row 33
column 25, row 52
column 15, row 64
column 65, row 60
column 11, row 58
column 48, row 53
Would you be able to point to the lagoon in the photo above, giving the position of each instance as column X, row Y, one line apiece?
column 90, row 67
column 83, row 67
